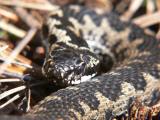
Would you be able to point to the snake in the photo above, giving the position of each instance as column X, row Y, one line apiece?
column 105, row 63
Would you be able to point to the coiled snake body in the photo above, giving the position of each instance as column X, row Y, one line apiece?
column 73, row 35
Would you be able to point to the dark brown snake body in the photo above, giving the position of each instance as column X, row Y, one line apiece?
column 135, row 73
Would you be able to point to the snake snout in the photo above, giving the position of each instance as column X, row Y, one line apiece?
column 64, row 70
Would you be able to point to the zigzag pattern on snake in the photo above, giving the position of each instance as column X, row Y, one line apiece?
column 73, row 35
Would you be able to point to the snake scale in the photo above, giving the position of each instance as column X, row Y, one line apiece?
column 71, row 33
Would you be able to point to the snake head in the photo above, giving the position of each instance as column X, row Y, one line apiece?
column 66, row 65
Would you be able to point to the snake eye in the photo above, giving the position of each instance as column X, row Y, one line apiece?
column 52, row 38
column 45, row 31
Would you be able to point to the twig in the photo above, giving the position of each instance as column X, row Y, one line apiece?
column 11, row 80
column 28, row 98
column 20, row 58
column 149, row 32
column 158, row 7
column 147, row 20
column 27, row 18
column 18, row 49
column 12, row 91
column 12, row 29
column 39, row 6
column 3, row 48
column 10, row 101
column 8, row 14
column 150, row 6
column 102, row 4
column 122, row 5
column 11, row 74
column 18, row 63
column 16, row 69
column 134, row 6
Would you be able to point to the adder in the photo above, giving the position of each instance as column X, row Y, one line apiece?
column 112, row 63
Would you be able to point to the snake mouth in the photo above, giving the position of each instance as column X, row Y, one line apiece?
column 83, row 79
column 66, row 75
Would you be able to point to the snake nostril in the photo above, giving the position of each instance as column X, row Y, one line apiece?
column 52, row 38
column 78, row 61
